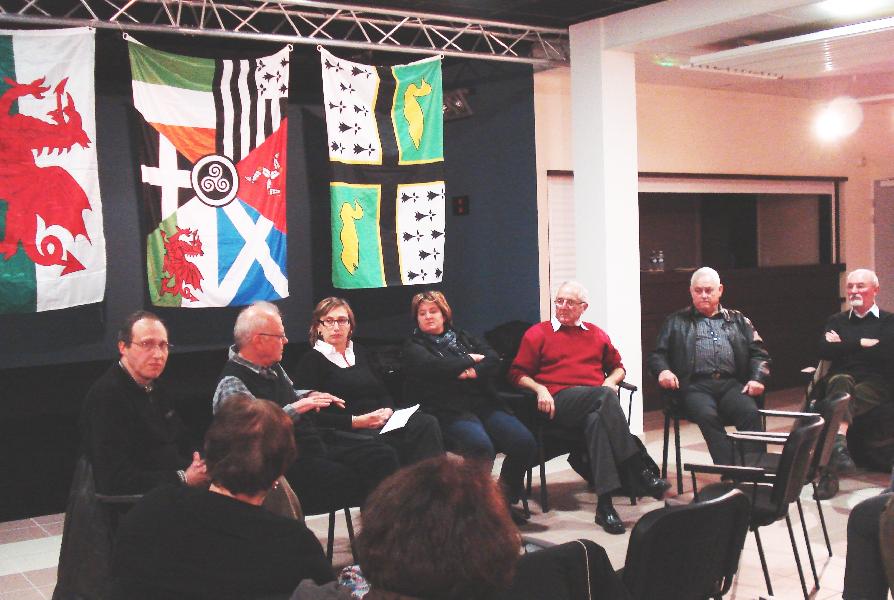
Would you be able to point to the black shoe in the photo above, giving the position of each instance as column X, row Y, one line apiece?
column 840, row 462
column 653, row 485
column 608, row 519
column 826, row 487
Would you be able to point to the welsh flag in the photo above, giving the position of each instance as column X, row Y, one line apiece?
column 52, row 248
column 213, row 172
column 386, row 149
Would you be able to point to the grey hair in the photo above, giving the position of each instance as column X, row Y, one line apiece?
column 250, row 320
column 863, row 272
column 582, row 294
column 708, row 272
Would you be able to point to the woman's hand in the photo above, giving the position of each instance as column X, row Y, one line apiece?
column 373, row 420
column 476, row 357
column 469, row 373
column 316, row 401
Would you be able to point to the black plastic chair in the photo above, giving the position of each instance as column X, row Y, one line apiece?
column 552, row 440
column 833, row 411
column 688, row 551
column 770, row 493
column 673, row 413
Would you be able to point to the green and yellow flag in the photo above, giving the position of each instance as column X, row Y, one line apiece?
column 386, row 148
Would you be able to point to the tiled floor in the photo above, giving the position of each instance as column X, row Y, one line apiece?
column 29, row 548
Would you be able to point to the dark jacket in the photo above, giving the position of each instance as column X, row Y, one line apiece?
column 430, row 377
column 675, row 347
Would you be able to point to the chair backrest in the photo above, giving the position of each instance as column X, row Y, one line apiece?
column 687, row 552
column 834, row 409
column 797, row 456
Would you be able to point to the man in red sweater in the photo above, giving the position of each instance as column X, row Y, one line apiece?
column 575, row 370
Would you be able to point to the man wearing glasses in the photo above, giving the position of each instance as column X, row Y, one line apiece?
column 133, row 437
column 575, row 370
column 334, row 469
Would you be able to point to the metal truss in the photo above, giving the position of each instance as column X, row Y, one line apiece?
column 305, row 22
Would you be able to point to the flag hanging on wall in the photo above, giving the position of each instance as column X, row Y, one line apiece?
column 386, row 130
column 52, row 249
column 213, row 172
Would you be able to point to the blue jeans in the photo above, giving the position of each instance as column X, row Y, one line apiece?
column 498, row 431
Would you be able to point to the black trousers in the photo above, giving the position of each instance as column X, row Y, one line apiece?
column 597, row 411
column 713, row 403
column 864, row 573
column 349, row 469
column 419, row 439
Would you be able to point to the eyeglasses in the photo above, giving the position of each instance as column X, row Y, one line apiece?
column 566, row 302
column 282, row 337
column 148, row 345
column 330, row 322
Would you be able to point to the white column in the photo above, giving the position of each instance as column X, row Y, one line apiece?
column 603, row 117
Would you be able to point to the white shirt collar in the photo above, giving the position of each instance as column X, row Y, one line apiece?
column 334, row 356
column 555, row 323
column 873, row 310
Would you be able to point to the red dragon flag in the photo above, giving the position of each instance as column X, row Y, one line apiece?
column 213, row 172
column 52, row 248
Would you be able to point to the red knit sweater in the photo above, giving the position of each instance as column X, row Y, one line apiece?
column 565, row 358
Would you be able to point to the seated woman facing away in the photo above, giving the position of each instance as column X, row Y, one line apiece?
column 451, row 374
column 188, row 543
column 438, row 530
column 339, row 366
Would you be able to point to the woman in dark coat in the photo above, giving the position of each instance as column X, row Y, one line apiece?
column 339, row 366
column 450, row 373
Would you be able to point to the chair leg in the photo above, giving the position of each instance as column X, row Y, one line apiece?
column 760, row 552
column 331, row 540
column 791, row 536
column 544, row 499
column 666, row 443
column 819, row 509
column 524, row 498
column 807, row 543
column 679, row 459
column 350, row 525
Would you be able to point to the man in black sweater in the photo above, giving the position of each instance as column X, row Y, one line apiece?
column 859, row 343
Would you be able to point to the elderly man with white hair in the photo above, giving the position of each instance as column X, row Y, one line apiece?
column 716, row 359
column 859, row 342
column 574, row 369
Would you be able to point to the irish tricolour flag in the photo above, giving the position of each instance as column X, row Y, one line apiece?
column 213, row 171
column 52, row 250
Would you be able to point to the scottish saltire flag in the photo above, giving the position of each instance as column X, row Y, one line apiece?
column 386, row 148
column 52, row 249
column 213, row 172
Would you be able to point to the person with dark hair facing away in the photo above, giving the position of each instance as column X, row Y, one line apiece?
column 574, row 369
column 864, row 569
column 184, row 543
column 438, row 530
column 335, row 469
column 451, row 374
column 339, row 366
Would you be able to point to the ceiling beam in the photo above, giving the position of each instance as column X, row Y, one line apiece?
column 308, row 22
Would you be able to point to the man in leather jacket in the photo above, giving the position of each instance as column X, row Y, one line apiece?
column 715, row 359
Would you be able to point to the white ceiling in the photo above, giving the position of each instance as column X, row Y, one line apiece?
column 818, row 49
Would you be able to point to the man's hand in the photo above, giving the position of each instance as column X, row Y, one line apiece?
column 469, row 373
column 196, row 472
column 668, row 380
column 832, row 337
column 316, row 401
column 753, row 388
column 373, row 420
column 545, row 402
column 868, row 342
